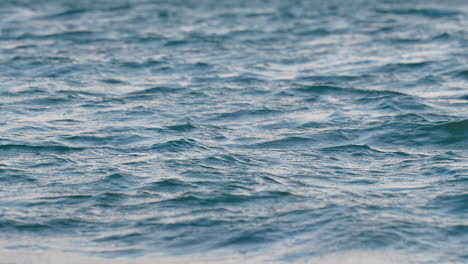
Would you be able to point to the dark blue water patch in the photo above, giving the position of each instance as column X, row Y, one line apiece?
column 409, row 40
column 419, row 134
column 453, row 203
column 71, row 225
column 132, row 114
column 231, row 160
column 179, row 145
column 458, row 129
column 53, row 148
column 243, row 114
column 48, row 101
column 242, row 79
column 26, row 92
column 68, row 13
column 82, row 94
column 329, row 79
column 75, row 36
column 457, row 230
column 61, row 201
column 126, row 239
column 167, row 186
column 362, row 151
column 253, row 238
column 22, row 61
column 132, row 65
column 235, row 200
column 115, row 181
column 22, row 227
column 154, row 92
column 186, row 127
column 312, row 141
column 103, row 103
column 108, row 140
column 404, row 67
column 113, row 81
column 462, row 74
column 401, row 103
column 427, row 12
column 64, row 122
column 110, row 199
column 322, row 89
column 361, row 96
column 56, row 227
column 11, row 176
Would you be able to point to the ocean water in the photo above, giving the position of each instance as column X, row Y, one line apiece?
column 244, row 131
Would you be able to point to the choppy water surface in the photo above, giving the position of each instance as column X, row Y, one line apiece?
column 273, row 131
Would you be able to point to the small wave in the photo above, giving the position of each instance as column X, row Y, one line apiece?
column 35, row 60
column 255, row 238
column 287, row 142
column 432, row 13
column 313, row 141
column 243, row 79
column 227, row 199
column 330, row 78
column 68, row 224
column 320, row 32
column 11, row 176
column 38, row 148
column 47, row 101
column 452, row 132
column 115, row 181
column 156, row 90
column 80, row 93
column 454, row 203
column 462, row 74
column 329, row 89
column 403, row 67
column 323, row 89
column 141, row 65
column 417, row 39
column 67, row 13
column 229, row 160
column 114, row 81
column 24, row 226
column 420, row 132
column 352, row 148
column 76, row 36
column 167, row 185
column 180, row 145
column 110, row 199
column 246, row 113
column 100, row 141
column 30, row 91
column 182, row 127
column 63, row 200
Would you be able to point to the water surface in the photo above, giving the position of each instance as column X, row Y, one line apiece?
column 234, row 131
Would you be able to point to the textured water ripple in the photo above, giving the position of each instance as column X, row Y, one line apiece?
column 245, row 131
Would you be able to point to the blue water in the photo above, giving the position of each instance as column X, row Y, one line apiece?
column 268, row 131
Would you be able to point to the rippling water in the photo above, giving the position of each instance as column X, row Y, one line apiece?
column 234, row 131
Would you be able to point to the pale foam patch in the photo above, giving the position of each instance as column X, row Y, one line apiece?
column 58, row 257
column 371, row 257
column 310, row 116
